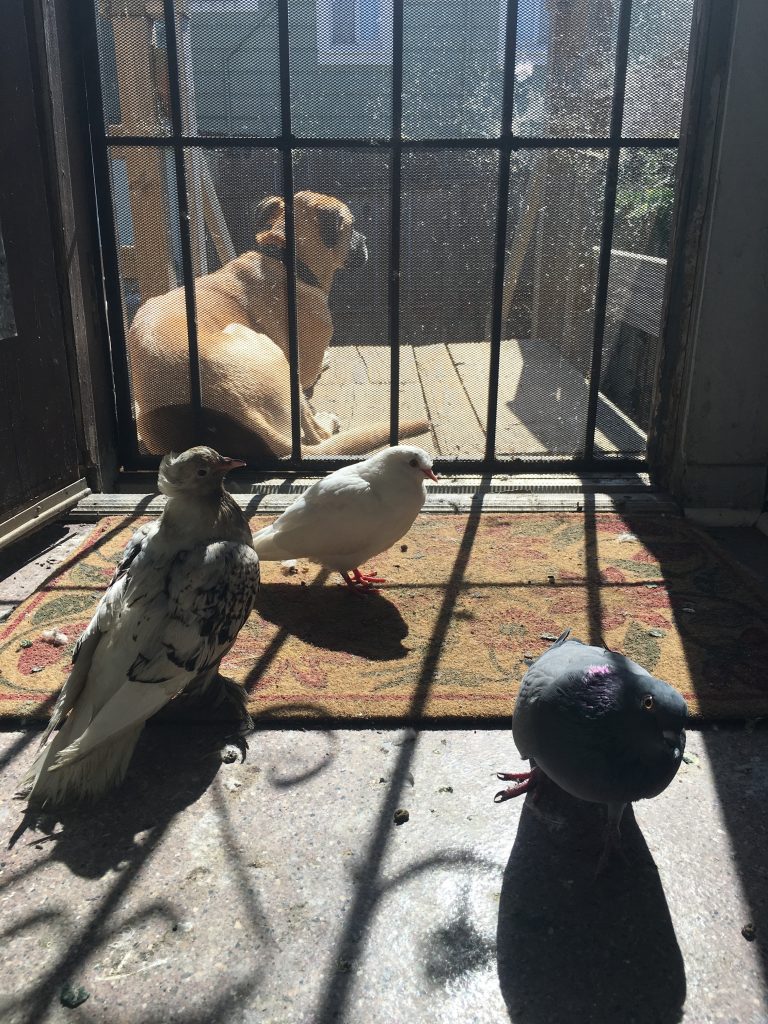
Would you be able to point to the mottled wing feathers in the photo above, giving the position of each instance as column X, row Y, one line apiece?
column 113, row 598
column 210, row 594
column 173, row 633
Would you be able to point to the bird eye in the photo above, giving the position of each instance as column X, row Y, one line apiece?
column 413, row 463
column 202, row 472
column 647, row 702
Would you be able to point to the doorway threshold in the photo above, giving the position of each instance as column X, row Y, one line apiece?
column 273, row 493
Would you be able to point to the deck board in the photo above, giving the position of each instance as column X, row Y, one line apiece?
column 542, row 402
column 411, row 406
column 457, row 430
column 347, row 390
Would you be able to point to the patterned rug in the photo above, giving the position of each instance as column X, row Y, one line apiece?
column 471, row 601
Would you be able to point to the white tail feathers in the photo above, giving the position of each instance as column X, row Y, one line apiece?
column 86, row 778
column 91, row 752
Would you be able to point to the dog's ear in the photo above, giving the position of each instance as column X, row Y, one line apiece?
column 265, row 216
column 329, row 225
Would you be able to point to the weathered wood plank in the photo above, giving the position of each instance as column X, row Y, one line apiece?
column 541, row 407
column 456, row 427
column 347, row 390
column 411, row 404
column 472, row 361
column 542, row 401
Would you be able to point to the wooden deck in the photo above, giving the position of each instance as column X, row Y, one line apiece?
column 542, row 399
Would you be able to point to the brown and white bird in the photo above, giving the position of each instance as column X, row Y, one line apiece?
column 179, row 597
column 351, row 515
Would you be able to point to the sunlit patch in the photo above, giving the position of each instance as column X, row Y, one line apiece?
column 599, row 670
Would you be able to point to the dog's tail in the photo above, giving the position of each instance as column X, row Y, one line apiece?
column 173, row 429
column 364, row 439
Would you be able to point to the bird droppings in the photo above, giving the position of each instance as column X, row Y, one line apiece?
column 54, row 637
column 400, row 816
column 749, row 932
column 403, row 547
column 230, row 754
column 547, row 636
column 37, row 668
column 657, row 632
column 691, row 759
column 195, row 875
column 625, row 538
column 25, row 644
column 73, row 995
column 289, row 567
column 445, row 789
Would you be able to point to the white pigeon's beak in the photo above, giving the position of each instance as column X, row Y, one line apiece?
column 430, row 474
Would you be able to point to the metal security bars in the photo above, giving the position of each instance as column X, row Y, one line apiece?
column 550, row 277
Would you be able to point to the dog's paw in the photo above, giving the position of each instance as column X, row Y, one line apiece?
column 329, row 422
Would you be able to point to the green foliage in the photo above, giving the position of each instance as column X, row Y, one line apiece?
column 644, row 200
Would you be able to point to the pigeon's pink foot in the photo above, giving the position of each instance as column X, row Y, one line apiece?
column 360, row 584
column 367, row 578
column 524, row 781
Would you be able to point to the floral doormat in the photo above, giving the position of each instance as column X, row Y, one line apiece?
column 470, row 601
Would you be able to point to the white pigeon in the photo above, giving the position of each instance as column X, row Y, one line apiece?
column 351, row 515
column 183, row 590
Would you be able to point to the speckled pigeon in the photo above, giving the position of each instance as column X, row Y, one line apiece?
column 184, row 588
column 600, row 726
column 351, row 515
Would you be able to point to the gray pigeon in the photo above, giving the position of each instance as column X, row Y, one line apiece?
column 598, row 725
column 351, row 515
column 179, row 597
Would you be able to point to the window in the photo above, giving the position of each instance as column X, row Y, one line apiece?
column 532, row 29
column 354, row 31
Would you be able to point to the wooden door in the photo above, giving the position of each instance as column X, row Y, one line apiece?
column 39, row 449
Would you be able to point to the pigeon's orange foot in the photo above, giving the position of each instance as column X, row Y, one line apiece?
column 524, row 781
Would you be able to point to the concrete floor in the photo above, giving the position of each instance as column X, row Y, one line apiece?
column 280, row 891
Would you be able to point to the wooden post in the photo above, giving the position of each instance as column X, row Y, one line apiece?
column 551, row 180
column 149, row 259
column 142, row 76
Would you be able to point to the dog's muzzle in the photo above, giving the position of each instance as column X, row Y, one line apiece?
column 358, row 251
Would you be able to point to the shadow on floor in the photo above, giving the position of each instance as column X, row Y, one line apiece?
column 171, row 768
column 119, row 835
column 322, row 616
column 726, row 646
column 575, row 949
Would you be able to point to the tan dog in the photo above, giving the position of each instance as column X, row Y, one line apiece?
column 243, row 344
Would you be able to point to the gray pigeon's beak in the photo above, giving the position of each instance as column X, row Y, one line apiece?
column 225, row 465
column 674, row 740
column 430, row 474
